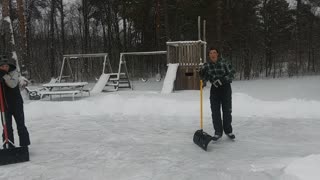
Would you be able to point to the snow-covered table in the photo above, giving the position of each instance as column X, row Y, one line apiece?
column 73, row 89
column 51, row 93
column 62, row 85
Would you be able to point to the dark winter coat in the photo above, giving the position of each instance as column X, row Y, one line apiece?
column 12, row 93
column 222, row 70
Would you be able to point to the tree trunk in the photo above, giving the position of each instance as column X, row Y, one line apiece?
column 62, row 27
column 247, row 64
column 28, row 37
column 109, row 24
column 125, row 39
column 157, row 18
column 310, row 42
column 22, row 27
column 147, row 26
column 166, row 21
column 274, row 68
column 116, row 27
column 85, row 25
column 86, row 33
column 52, row 48
column 299, row 38
column 8, row 33
column 219, row 19
column 105, row 41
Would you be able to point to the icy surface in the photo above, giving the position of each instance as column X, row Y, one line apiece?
column 144, row 135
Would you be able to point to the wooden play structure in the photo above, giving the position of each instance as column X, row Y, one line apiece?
column 186, row 57
column 188, row 54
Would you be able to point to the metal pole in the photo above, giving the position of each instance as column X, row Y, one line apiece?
column 204, row 30
column 109, row 64
column 168, row 54
column 205, row 44
column 104, row 64
column 199, row 27
column 120, row 63
column 204, row 52
column 59, row 80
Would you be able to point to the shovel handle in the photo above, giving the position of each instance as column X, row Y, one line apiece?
column 3, row 118
column 201, row 108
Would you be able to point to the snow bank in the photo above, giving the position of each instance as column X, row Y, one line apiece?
column 247, row 106
column 304, row 169
column 182, row 104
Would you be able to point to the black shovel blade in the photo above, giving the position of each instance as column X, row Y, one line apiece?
column 202, row 139
column 14, row 155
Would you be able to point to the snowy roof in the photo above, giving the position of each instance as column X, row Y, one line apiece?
column 144, row 53
column 85, row 55
column 185, row 42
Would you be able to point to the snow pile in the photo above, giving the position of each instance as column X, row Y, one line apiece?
column 182, row 104
column 304, row 169
column 247, row 106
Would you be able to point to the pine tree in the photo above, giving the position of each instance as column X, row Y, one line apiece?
column 277, row 23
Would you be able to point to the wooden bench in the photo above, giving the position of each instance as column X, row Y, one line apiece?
column 51, row 93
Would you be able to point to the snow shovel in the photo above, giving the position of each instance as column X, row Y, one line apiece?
column 10, row 155
column 200, row 137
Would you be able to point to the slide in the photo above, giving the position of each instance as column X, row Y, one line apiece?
column 98, row 87
column 168, row 83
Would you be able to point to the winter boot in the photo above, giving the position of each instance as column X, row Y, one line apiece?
column 216, row 137
column 231, row 135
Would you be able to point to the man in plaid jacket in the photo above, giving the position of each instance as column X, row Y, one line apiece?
column 220, row 74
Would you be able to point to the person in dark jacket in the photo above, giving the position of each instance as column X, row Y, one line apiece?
column 220, row 74
column 13, row 100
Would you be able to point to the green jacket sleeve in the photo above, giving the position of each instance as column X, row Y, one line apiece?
column 203, row 73
column 229, row 72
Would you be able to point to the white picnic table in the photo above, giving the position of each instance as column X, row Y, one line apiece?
column 72, row 91
column 61, row 85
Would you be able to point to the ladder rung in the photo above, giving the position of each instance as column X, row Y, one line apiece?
column 124, row 86
column 124, row 82
column 112, row 84
column 113, row 79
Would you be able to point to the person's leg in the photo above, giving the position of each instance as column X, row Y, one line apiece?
column 227, row 108
column 215, row 110
column 23, row 133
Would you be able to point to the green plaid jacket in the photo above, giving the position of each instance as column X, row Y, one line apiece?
column 220, row 70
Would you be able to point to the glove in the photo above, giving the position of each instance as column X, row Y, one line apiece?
column 204, row 84
column 2, row 73
column 217, row 83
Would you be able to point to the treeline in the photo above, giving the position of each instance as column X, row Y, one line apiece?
column 262, row 38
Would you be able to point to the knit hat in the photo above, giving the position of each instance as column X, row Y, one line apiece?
column 5, row 60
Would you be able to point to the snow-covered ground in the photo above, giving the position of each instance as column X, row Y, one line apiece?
column 144, row 135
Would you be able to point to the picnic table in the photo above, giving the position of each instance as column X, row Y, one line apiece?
column 55, row 89
column 65, row 85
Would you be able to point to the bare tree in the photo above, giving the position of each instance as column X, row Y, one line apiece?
column 22, row 28
column 8, row 32
column 62, row 15
column 52, row 46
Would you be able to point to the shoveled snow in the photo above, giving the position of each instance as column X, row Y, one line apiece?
column 306, row 168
